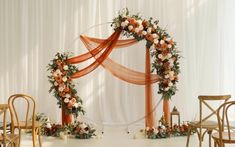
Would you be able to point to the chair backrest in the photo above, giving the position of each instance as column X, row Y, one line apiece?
column 224, row 113
column 15, row 100
column 205, row 99
column 3, row 110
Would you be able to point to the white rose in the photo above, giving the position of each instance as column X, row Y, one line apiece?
column 169, row 55
column 155, row 41
column 56, row 84
column 123, row 24
column 139, row 22
column 82, row 125
column 160, row 56
column 137, row 30
column 155, row 26
column 149, row 30
column 170, row 84
column 155, row 131
column 171, row 73
column 130, row 27
column 168, row 39
column 162, row 42
column 64, row 79
column 48, row 125
column 169, row 45
column 66, row 67
column 126, row 22
column 171, row 61
column 141, row 27
column 61, row 88
column 66, row 100
column 58, row 72
column 155, row 35
column 76, row 105
column 166, row 89
column 67, row 95
column 144, row 33
column 167, row 76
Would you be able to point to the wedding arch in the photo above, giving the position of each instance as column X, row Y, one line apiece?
column 159, row 46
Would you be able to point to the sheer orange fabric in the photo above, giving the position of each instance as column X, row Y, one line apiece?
column 120, row 71
column 100, row 49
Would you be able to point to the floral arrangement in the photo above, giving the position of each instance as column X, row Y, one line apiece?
column 163, row 48
column 78, row 129
column 166, row 131
column 82, row 130
column 62, row 86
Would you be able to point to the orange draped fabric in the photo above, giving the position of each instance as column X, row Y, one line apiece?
column 100, row 49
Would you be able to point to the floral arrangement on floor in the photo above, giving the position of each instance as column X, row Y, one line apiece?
column 62, row 85
column 163, row 48
column 78, row 129
column 163, row 131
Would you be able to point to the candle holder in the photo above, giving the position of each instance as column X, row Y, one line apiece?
column 175, row 112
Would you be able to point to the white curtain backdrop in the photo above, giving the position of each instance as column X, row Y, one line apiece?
column 31, row 32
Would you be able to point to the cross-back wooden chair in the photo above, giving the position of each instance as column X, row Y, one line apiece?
column 24, row 123
column 4, row 137
column 204, row 123
column 225, row 134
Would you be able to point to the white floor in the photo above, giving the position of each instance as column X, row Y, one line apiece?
column 115, row 137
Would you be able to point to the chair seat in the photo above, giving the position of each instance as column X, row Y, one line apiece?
column 10, row 137
column 205, row 124
column 225, row 137
column 22, row 124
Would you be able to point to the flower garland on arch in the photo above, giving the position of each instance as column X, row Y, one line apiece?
column 62, row 85
column 163, row 48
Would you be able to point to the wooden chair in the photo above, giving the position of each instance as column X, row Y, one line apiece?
column 7, row 138
column 204, row 123
column 25, row 122
column 225, row 134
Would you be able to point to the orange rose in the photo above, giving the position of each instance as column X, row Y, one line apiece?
column 131, row 21
column 145, row 23
column 149, row 37
column 165, row 52
column 73, row 101
column 164, row 46
column 58, row 79
column 66, row 89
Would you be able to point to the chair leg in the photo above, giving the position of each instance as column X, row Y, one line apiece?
column 34, row 137
column 19, row 136
column 39, row 137
column 215, row 144
column 209, row 133
column 188, row 136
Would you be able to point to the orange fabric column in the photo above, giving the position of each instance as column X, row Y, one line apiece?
column 149, row 120
column 66, row 118
column 166, row 110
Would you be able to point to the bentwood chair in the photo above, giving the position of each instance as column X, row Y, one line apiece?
column 21, row 120
column 205, row 124
column 225, row 134
column 4, row 137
